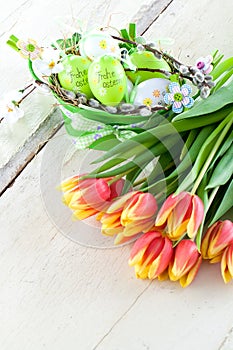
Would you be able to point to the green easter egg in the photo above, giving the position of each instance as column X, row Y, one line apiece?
column 146, row 59
column 74, row 77
column 107, row 80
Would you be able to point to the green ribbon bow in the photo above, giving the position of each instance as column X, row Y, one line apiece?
column 90, row 131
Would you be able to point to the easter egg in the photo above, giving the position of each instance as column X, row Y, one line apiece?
column 96, row 44
column 74, row 77
column 146, row 59
column 107, row 80
column 150, row 92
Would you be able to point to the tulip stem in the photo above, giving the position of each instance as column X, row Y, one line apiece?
column 211, row 156
column 211, row 198
column 117, row 177
column 139, row 182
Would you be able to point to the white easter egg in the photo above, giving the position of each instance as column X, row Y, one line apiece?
column 150, row 92
column 96, row 44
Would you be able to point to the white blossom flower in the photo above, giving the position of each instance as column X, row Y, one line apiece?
column 49, row 62
column 9, row 108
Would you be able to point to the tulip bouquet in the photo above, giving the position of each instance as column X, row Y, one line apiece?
column 164, row 178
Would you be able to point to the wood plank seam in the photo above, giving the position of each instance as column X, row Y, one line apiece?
column 148, row 14
column 122, row 316
column 45, row 131
column 225, row 340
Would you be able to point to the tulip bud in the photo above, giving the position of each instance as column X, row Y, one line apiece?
column 216, row 240
column 87, row 197
column 133, row 213
column 151, row 255
column 186, row 263
column 227, row 264
column 180, row 214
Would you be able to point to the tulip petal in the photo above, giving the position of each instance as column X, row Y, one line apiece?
column 163, row 276
column 179, row 213
column 225, row 233
column 143, row 242
column 98, row 192
column 116, row 188
column 141, row 272
column 196, row 216
column 205, row 242
column 111, row 231
column 83, row 214
column 121, row 238
column 69, row 184
column 167, row 207
column 137, row 259
column 120, row 202
column 186, row 255
column 110, row 219
column 227, row 264
column 216, row 259
column 185, row 280
column 138, row 226
column 217, row 238
column 162, row 260
column 141, row 205
column 178, row 232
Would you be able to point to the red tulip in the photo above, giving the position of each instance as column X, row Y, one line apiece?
column 227, row 264
column 88, row 197
column 216, row 240
column 186, row 263
column 180, row 214
column 150, row 255
column 129, row 215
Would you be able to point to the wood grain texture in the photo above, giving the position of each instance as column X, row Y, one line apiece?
column 57, row 294
column 196, row 27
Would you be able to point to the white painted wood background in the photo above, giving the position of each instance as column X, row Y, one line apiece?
column 58, row 294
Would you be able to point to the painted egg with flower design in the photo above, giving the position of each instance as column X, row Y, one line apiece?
column 151, row 92
column 146, row 59
column 107, row 80
column 74, row 77
column 97, row 43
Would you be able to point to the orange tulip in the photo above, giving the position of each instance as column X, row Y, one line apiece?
column 180, row 214
column 227, row 264
column 129, row 215
column 150, row 255
column 216, row 240
column 88, row 197
column 186, row 262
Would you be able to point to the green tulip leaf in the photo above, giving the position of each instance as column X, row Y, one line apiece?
column 222, row 81
column 227, row 143
column 224, row 205
column 104, row 143
column 222, row 67
column 223, row 171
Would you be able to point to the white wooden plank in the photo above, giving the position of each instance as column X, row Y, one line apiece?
column 197, row 28
column 169, row 317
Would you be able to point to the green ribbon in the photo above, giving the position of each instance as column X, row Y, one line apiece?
column 91, row 131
